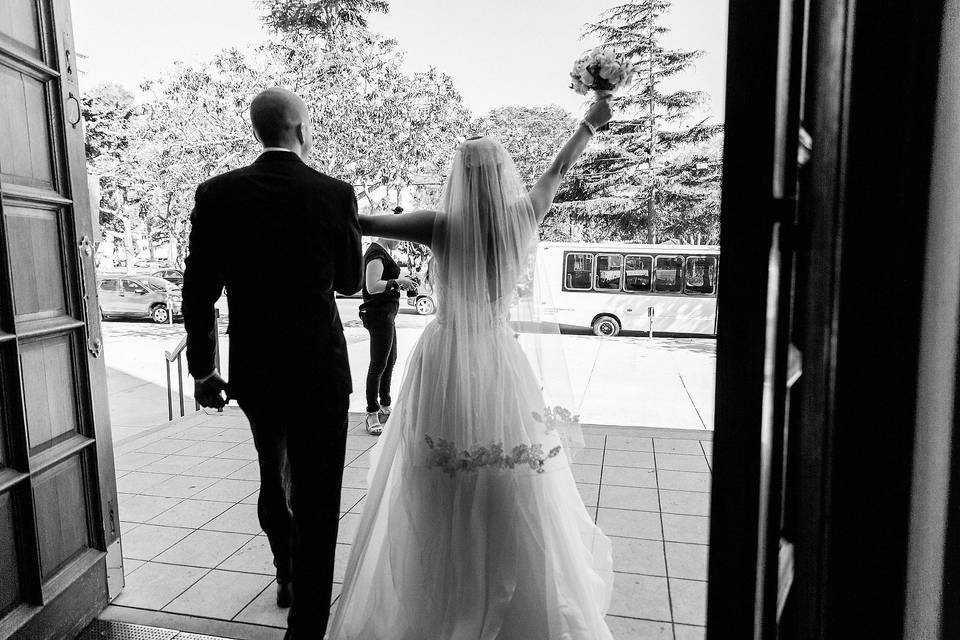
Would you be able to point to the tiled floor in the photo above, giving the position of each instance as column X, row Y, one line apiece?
column 194, row 554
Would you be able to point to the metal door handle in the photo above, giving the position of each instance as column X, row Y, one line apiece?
column 85, row 253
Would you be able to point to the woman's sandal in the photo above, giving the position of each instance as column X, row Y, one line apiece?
column 374, row 429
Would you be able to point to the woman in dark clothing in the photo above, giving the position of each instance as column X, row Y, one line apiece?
column 382, row 284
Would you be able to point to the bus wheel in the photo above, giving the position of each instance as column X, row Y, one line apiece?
column 606, row 326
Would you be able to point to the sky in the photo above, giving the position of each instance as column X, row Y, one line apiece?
column 498, row 52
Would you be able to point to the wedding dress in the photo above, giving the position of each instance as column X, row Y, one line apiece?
column 473, row 527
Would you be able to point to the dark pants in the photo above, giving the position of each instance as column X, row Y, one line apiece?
column 301, row 448
column 383, row 356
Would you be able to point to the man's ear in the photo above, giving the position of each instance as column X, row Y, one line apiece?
column 256, row 135
column 300, row 136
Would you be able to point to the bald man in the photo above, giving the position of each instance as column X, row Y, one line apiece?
column 282, row 238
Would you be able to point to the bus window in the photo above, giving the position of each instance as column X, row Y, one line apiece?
column 637, row 273
column 668, row 274
column 609, row 271
column 579, row 272
column 701, row 275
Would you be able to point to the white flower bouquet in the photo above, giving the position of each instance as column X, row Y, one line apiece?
column 602, row 70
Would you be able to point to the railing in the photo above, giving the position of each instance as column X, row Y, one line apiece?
column 177, row 356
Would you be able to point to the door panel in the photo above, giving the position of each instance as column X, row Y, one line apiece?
column 57, row 479
column 36, row 254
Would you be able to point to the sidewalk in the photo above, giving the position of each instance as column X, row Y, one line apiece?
column 196, row 560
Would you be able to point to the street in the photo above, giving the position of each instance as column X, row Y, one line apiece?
column 628, row 380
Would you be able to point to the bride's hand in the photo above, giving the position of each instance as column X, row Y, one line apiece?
column 599, row 112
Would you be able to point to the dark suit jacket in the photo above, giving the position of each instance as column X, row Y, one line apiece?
column 282, row 238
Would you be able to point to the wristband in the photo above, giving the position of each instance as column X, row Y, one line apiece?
column 590, row 127
column 392, row 285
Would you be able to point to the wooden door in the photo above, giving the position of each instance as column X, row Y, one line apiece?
column 57, row 488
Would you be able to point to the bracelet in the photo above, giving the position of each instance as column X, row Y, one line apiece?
column 392, row 285
column 590, row 127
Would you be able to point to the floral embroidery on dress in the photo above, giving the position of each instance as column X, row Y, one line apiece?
column 444, row 454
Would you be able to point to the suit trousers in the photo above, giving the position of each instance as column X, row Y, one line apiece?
column 300, row 451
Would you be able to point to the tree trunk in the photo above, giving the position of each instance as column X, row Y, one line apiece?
column 129, row 249
column 148, row 223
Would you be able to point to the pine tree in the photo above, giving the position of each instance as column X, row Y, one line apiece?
column 631, row 167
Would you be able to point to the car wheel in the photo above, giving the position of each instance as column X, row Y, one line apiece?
column 606, row 326
column 160, row 314
column 426, row 306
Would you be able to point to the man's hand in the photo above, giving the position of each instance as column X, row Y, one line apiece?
column 211, row 392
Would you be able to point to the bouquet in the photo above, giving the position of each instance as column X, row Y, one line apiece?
column 601, row 70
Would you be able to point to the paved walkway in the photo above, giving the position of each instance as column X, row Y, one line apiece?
column 196, row 560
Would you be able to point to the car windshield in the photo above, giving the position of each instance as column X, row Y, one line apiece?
column 157, row 284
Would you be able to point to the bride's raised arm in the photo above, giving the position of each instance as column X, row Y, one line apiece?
column 416, row 226
column 543, row 192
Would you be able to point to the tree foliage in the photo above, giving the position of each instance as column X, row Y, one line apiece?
column 638, row 169
column 318, row 18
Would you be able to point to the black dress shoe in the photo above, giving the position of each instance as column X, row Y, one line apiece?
column 284, row 594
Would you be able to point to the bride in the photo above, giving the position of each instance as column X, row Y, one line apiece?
column 473, row 528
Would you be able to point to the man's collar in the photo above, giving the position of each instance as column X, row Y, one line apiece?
column 266, row 149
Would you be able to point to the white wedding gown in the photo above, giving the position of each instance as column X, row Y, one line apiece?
column 473, row 527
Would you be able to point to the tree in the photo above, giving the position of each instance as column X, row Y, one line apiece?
column 531, row 135
column 633, row 164
column 319, row 18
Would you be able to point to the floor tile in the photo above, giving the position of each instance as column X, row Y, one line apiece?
column 707, row 446
column 210, row 449
column 153, row 585
column 633, row 555
column 137, row 508
column 680, row 462
column 589, row 456
column 684, row 480
column 360, row 442
column 253, row 557
column 675, row 445
column 687, row 560
column 643, row 459
column 348, row 528
column 148, row 540
column 249, row 471
column 165, row 446
column 586, row 473
column 243, row 451
column 340, row 560
column 253, row 498
column 640, row 596
column 354, row 478
column 228, row 490
column 593, row 441
column 137, row 481
column 629, row 477
column 349, row 498
column 133, row 460
column 630, row 524
column 590, row 493
column 200, row 433
column 691, row 503
column 191, row 513
column 175, row 463
column 264, row 610
column 687, row 632
column 629, row 443
column 240, row 518
column 218, row 468
column 632, row 629
column 361, row 461
column 636, row 498
column 677, row 528
column 689, row 598
column 220, row 594
column 179, row 487
column 232, row 435
column 130, row 565
column 204, row 548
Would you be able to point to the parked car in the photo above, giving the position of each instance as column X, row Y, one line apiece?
column 172, row 275
column 423, row 298
column 132, row 296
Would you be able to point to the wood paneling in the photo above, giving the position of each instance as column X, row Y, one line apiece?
column 61, row 514
column 36, row 262
column 9, row 562
column 19, row 26
column 25, row 155
column 48, row 372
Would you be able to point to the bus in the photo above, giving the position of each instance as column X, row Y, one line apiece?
column 611, row 287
